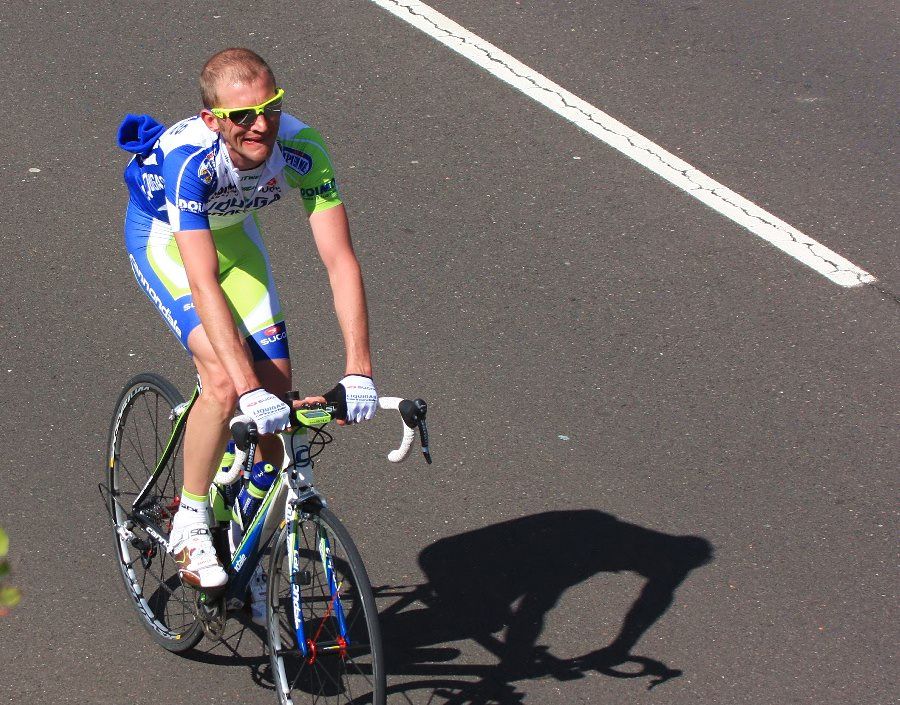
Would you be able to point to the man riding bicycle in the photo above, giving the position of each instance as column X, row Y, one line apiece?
column 196, row 249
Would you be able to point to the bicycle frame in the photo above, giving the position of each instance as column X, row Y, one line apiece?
column 293, row 487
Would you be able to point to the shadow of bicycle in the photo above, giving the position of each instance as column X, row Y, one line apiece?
column 495, row 586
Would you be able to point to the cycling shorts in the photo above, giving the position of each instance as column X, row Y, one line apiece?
column 245, row 275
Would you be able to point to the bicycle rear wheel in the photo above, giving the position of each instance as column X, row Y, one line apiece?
column 141, row 428
column 339, row 667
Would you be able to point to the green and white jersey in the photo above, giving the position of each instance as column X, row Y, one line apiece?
column 189, row 181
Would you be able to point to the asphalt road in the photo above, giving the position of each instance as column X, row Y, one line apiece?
column 649, row 427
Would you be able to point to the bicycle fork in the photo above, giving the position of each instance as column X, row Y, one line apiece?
column 309, row 645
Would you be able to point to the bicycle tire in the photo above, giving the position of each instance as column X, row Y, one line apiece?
column 332, row 676
column 140, row 430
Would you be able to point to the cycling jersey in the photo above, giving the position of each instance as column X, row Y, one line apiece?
column 186, row 180
column 189, row 181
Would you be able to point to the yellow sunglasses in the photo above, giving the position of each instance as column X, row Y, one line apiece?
column 247, row 116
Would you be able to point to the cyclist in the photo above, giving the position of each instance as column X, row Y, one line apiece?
column 196, row 249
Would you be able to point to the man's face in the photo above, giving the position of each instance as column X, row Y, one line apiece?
column 248, row 145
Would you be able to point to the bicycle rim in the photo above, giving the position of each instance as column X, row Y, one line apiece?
column 329, row 672
column 141, row 428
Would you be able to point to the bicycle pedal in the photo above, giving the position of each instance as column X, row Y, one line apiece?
column 209, row 596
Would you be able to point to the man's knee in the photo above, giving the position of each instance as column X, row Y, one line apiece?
column 218, row 391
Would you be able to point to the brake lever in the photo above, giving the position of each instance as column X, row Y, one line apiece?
column 413, row 413
column 423, row 435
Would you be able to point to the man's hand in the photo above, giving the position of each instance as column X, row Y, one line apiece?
column 356, row 398
column 268, row 411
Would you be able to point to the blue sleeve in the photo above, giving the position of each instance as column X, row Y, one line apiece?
column 190, row 177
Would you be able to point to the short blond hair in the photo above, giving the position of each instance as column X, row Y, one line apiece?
column 234, row 66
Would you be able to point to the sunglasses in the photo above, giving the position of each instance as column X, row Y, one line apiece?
column 247, row 116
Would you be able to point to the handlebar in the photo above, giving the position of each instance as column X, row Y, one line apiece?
column 413, row 414
column 243, row 430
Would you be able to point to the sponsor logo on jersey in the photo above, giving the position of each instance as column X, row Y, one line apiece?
column 318, row 190
column 191, row 206
column 236, row 205
column 180, row 127
column 207, row 169
column 154, row 297
column 299, row 161
column 228, row 188
column 151, row 183
column 273, row 334
column 270, row 187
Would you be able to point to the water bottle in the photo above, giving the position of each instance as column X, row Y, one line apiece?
column 229, row 492
column 222, row 497
column 251, row 496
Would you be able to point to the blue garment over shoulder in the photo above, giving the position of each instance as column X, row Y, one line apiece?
column 138, row 134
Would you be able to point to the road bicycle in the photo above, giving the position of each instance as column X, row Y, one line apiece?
column 322, row 631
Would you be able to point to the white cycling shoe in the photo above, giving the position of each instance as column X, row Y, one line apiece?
column 198, row 565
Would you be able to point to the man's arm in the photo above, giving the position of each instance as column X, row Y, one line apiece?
column 201, row 263
column 331, row 232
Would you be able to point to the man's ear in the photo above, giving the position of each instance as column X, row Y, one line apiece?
column 210, row 120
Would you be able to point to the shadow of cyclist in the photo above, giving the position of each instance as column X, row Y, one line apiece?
column 508, row 577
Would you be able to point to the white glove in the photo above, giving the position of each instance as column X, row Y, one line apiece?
column 268, row 411
column 362, row 399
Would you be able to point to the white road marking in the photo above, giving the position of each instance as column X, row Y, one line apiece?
column 633, row 145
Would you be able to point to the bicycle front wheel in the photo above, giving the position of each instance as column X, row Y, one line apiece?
column 142, row 427
column 341, row 660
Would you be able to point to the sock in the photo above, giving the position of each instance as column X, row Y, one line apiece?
column 193, row 508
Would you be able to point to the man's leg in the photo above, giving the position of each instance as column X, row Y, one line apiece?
column 204, row 441
column 275, row 376
column 207, row 425
column 206, row 434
